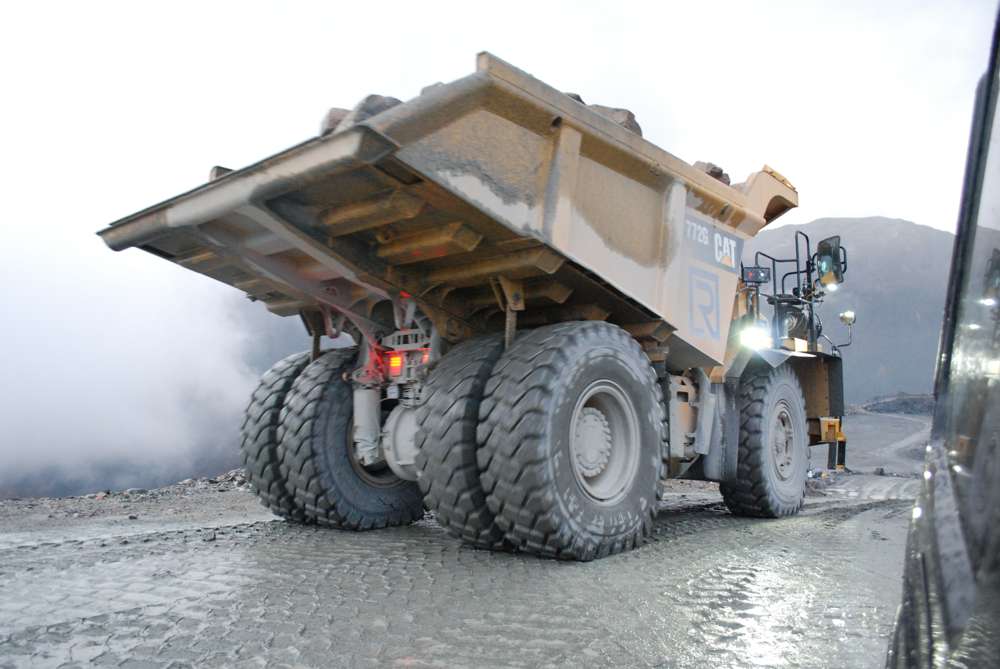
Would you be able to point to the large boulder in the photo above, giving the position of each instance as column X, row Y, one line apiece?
column 338, row 119
column 622, row 117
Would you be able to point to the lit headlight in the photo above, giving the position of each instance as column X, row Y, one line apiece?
column 755, row 337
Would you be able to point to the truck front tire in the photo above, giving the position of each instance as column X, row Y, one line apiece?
column 571, row 427
column 331, row 487
column 773, row 450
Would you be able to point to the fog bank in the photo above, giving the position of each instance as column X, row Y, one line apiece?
column 133, row 373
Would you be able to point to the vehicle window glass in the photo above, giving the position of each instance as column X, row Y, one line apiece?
column 974, row 384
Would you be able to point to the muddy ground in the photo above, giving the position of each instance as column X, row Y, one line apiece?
column 198, row 574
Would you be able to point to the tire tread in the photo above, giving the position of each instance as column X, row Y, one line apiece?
column 514, row 453
column 302, row 444
column 447, row 469
column 259, row 445
column 749, row 495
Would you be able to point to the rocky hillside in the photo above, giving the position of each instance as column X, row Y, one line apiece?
column 896, row 279
column 902, row 403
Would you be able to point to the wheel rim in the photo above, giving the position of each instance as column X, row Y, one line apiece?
column 604, row 441
column 783, row 441
column 378, row 475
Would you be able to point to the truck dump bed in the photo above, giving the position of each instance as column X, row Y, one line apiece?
column 493, row 175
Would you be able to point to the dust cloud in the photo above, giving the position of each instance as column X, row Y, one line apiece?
column 122, row 370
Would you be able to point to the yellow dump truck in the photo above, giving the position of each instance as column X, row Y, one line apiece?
column 550, row 316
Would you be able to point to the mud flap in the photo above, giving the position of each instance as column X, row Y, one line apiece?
column 719, row 464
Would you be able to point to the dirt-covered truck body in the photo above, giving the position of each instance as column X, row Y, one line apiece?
column 468, row 240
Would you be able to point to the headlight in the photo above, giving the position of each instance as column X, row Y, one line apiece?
column 755, row 337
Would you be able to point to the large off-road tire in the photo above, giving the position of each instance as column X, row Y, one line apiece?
column 317, row 458
column 447, row 470
column 259, row 436
column 571, row 428
column 774, row 446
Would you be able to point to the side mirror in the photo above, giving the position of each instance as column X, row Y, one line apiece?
column 829, row 264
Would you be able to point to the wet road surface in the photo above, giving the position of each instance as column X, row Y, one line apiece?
column 893, row 442
column 237, row 588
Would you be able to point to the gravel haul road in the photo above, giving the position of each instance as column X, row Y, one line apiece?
column 199, row 575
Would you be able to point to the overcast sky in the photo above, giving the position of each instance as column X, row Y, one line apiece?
column 865, row 106
column 110, row 107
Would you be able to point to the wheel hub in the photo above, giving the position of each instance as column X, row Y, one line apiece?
column 783, row 442
column 604, row 442
column 593, row 438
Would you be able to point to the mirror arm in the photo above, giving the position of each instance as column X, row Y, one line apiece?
column 850, row 338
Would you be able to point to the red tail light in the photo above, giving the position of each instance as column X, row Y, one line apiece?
column 395, row 364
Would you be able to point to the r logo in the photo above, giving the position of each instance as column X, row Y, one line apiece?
column 703, row 303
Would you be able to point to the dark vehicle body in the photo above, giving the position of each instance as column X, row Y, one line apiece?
column 950, row 613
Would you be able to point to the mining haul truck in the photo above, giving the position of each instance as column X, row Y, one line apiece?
column 538, row 315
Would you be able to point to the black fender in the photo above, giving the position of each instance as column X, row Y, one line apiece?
column 775, row 357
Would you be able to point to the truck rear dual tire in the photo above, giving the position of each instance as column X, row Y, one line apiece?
column 447, row 469
column 774, row 442
column 571, row 429
column 295, row 446
column 259, row 436
column 328, row 484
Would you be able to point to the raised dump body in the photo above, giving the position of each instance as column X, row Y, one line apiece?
column 496, row 204
column 496, row 174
